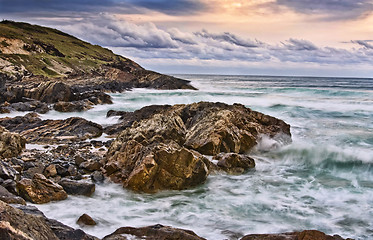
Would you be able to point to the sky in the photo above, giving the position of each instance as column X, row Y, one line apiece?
column 254, row 37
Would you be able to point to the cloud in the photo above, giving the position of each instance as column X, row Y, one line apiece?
column 332, row 9
column 148, row 41
column 365, row 43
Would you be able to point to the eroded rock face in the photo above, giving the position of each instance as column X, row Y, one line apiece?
column 11, row 144
column 156, row 232
column 304, row 235
column 15, row 224
column 161, row 147
column 40, row 190
column 36, row 130
column 77, row 187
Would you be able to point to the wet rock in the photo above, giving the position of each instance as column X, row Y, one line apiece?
column 156, row 232
column 7, row 171
column 175, row 136
column 40, row 190
column 234, row 163
column 15, row 224
column 79, row 160
column 34, row 105
column 76, row 106
column 36, row 130
column 50, row 171
column 11, row 144
column 85, row 219
column 91, row 165
column 36, row 168
column 50, row 92
column 150, row 169
column 304, row 235
column 10, row 185
column 9, row 197
column 97, row 176
column 62, row 231
column 77, row 187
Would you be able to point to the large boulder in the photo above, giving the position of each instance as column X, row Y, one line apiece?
column 162, row 147
column 9, row 197
column 77, row 187
column 156, row 232
column 234, row 163
column 304, row 235
column 11, row 144
column 15, row 224
column 36, row 130
column 51, row 92
column 40, row 190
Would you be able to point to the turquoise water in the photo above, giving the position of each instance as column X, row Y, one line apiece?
column 323, row 180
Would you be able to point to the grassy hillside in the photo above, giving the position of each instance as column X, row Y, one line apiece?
column 33, row 50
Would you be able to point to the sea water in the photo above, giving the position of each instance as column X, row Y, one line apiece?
column 323, row 180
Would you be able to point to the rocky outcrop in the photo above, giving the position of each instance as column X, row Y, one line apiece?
column 11, row 144
column 234, row 163
column 15, row 224
column 31, row 105
column 40, row 190
column 161, row 147
column 304, row 235
column 9, row 197
column 85, row 219
column 156, row 232
column 36, row 130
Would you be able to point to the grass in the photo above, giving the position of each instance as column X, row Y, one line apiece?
column 57, row 46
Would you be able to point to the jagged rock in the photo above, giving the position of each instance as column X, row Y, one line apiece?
column 9, row 197
column 77, row 187
column 85, row 219
column 62, row 231
column 36, row 130
column 51, row 92
column 97, row 176
column 34, row 105
column 40, row 190
column 50, row 171
column 7, row 171
column 76, row 106
column 304, row 235
column 91, row 165
column 176, row 136
column 156, row 232
column 15, row 224
column 10, row 185
column 234, row 163
column 11, row 144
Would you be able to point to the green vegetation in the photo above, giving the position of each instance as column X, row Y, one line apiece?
column 49, row 48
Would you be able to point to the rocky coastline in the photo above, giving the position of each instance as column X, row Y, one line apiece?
column 155, row 148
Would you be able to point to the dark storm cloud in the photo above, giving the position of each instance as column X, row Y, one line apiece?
column 334, row 9
column 174, row 7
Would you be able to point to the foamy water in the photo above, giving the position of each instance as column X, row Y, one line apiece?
column 323, row 180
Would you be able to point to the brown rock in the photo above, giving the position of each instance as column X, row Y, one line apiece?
column 50, row 171
column 40, row 190
column 11, row 144
column 305, row 235
column 8, row 197
column 51, row 92
column 91, row 165
column 156, row 232
column 36, row 130
column 234, row 163
column 76, row 106
column 15, row 224
column 85, row 219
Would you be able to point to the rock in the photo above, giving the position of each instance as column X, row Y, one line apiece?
column 304, row 235
column 10, row 185
column 161, row 147
column 11, row 144
column 150, row 169
column 37, row 168
column 40, row 190
column 91, row 165
column 34, row 105
column 76, row 106
column 36, row 130
column 234, row 163
column 51, row 92
column 77, row 187
column 8, row 197
column 156, row 232
column 15, row 224
column 79, row 160
column 7, row 171
column 50, row 171
column 62, row 231
column 85, row 219
column 97, row 176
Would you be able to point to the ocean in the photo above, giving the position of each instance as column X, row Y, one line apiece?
column 323, row 180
